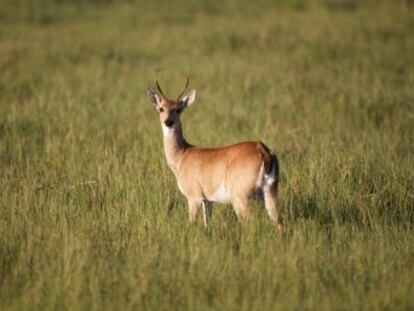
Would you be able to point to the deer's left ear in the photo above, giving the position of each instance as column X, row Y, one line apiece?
column 188, row 99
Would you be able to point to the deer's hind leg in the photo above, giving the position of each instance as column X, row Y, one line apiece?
column 273, row 210
column 240, row 206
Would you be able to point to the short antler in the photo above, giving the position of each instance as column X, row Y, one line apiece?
column 185, row 88
column 159, row 88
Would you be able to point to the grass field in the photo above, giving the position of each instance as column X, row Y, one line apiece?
column 85, row 189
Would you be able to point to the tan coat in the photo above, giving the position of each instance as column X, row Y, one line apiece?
column 228, row 174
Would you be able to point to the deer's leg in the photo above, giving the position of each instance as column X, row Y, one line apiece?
column 239, row 203
column 193, row 206
column 273, row 210
column 207, row 211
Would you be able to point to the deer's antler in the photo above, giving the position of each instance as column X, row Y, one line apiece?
column 159, row 88
column 185, row 88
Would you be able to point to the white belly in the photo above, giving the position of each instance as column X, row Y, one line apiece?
column 180, row 187
column 221, row 195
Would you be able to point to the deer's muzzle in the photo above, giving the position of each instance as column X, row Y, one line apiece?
column 169, row 122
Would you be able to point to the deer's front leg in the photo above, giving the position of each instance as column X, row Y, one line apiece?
column 193, row 206
column 207, row 211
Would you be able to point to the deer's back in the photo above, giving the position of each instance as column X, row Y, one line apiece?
column 204, row 172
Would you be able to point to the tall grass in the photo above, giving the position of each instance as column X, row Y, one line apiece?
column 85, row 190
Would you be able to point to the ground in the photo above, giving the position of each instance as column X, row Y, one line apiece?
column 90, row 215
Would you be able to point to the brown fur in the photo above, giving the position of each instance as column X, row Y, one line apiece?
column 202, row 172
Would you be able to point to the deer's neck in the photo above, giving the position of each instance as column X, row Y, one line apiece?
column 174, row 145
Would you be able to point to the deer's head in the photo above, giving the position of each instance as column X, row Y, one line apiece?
column 170, row 110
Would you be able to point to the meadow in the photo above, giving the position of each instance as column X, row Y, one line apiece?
column 91, row 217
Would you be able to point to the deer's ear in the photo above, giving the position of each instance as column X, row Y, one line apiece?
column 153, row 97
column 188, row 99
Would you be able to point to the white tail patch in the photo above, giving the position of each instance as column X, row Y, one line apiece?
column 264, row 181
column 221, row 195
column 271, row 178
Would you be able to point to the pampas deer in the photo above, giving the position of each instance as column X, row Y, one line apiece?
column 228, row 174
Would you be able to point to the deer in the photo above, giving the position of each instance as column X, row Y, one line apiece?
column 230, row 174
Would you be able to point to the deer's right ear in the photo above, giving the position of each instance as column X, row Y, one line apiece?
column 153, row 97
column 187, row 99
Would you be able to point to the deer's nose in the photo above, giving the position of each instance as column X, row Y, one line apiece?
column 169, row 122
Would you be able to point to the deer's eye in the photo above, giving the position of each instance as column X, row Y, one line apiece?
column 161, row 109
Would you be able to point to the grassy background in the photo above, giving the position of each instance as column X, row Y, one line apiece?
column 84, row 187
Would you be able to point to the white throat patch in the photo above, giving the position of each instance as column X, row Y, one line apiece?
column 167, row 131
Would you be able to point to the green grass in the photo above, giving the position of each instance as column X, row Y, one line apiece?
column 85, row 189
